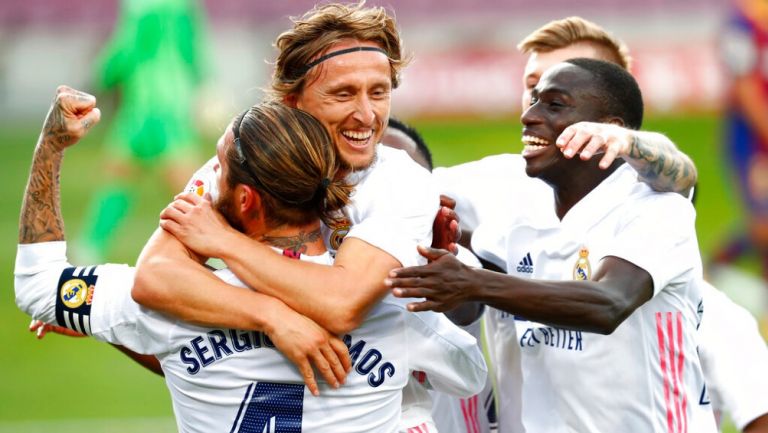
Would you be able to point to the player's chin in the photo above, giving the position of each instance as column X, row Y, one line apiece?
column 358, row 160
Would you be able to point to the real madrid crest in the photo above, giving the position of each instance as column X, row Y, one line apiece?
column 74, row 293
column 340, row 230
column 581, row 270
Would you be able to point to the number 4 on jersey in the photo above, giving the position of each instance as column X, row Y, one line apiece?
column 270, row 408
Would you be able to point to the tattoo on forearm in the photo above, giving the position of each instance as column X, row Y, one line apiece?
column 297, row 244
column 41, row 219
column 664, row 168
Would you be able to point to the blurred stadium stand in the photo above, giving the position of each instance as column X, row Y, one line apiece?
column 465, row 60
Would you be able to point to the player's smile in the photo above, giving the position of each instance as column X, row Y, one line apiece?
column 534, row 146
column 563, row 96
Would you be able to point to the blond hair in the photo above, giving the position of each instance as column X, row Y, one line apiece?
column 314, row 32
column 573, row 30
column 288, row 156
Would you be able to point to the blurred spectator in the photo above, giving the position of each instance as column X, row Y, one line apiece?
column 155, row 60
column 745, row 55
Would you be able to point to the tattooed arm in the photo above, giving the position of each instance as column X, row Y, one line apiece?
column 654, row 156
column 71, row 115
column 660, row 164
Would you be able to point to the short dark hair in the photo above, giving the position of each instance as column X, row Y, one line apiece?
column 620, row 93
column 414, row 135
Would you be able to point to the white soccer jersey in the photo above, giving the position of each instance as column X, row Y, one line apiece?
column 432, row 411
column 645, row 376
column 734, row 358
column 491, row 188
column 231, row 380
column 392, row 208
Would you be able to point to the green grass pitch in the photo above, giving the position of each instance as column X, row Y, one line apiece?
column 58, row 382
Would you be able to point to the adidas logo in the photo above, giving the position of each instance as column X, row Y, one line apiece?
column 526, row 265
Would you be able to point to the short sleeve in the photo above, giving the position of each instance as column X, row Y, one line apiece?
column 394, row 208
column 734, row 357
column 476, row 186
column 93, row 300
column 450, row 357
column 205, row 181
column 657, row 234
column 489, row 242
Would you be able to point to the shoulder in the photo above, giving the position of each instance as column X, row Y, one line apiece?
column 505, row 164
column 204, row 180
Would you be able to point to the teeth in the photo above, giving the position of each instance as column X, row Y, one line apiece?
column 531, row 140
column 532, row 147
column 358, row 135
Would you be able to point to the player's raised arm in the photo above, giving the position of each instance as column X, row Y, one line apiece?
column 71, row 115
column 654, row 156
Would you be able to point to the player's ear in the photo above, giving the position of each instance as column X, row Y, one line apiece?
column 613, row 120
column 248, row 199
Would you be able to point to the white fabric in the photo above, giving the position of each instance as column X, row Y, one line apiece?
column 431, row 411
column 393, row 206
column 734, row 357
column 464, row 415
column 491, row 188
column 217, row 377
column 584, row 382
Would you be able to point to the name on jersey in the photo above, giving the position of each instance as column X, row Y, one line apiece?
column 202, row 351
column 566, row 339
column 368, row 361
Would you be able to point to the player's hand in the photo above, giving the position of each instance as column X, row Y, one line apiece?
column 587, row 139
column 445, row 282
column 71, row 116
column 306, row 344
column 41, row 328
column 193, row 221
column 445, row 229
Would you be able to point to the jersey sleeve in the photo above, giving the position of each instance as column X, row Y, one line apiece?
column 205, row 181
column 482, row 188
column 450, row 357
column 734, row 358
column 489, row 242
column 658, row 235
column 396, row 207
column 93, row 300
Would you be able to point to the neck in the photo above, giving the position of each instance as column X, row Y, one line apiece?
column 570, row 188
column 304, row 239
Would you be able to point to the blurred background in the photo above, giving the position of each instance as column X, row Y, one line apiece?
column 462, row 91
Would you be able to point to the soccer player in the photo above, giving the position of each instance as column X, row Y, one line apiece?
column 340, row 64
column 601, row 286
column 558, row 41
column 429, row 411
column 225, row 378
column 654, row 156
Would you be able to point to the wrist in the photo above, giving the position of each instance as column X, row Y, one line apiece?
column 227, row 242
column 271, row 313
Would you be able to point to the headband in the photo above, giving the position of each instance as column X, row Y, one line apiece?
column 332, row 54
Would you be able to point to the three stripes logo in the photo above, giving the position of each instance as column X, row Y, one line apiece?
column 525, row 265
